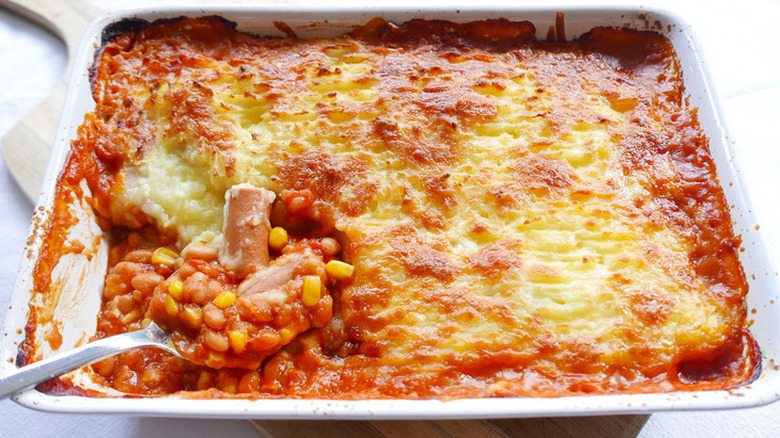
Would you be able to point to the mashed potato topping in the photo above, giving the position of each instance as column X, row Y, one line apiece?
column 517, row 217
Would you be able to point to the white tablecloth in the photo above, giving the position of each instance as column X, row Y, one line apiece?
column 740, row 40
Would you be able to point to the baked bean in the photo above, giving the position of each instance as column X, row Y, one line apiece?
column 207, row 252
column 185, row 271
column 265, row 340
column 128, row 270
column 255, row 309
column 249, row 382
column 152, row 375
column 125, row 379
column 214, row 317
column 105, row 366
column 139, row 256
column 216, row 341
column 134, row 239
column 205, row 293
column 211, row 269
column 275, row 367
column 157, row 305
column 215, row 288
column 114, row 286
column 111, row 308
column 298, row 204
column 124, row 303
column 146, row 281
column 330, row 246
column 196, row 283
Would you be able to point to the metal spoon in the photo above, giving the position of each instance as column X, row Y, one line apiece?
column 38, row 372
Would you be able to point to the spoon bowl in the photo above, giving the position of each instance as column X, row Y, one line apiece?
column 41, row 371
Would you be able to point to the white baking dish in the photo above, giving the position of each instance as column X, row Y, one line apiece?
column 83, row 278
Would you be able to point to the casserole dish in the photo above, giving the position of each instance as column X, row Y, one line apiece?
column 85, row 274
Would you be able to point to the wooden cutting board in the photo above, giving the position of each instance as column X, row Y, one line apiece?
column 25, row 150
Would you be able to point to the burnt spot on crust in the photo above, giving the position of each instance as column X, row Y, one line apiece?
column 126, row 25
column 136, row 25
column 492, row 34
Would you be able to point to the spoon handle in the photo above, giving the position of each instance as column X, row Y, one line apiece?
column 41, row 371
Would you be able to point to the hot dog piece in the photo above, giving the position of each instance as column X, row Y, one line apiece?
column 281, row 271
column 245, row 228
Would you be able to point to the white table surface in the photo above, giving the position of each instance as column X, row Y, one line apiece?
column 740, row 40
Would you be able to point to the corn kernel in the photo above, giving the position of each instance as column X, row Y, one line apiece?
column 286, row 335
column 215, row 360
column 238, row 340
column 224, row 299
column 164, row 256
column 145, row 322
column 176, row 289
column 193, row 316
column 278, row 238
column 171, row 306
column 204, row 380
column 131, row 317
column 312, row 289
column 339, row 270
column 230, row 388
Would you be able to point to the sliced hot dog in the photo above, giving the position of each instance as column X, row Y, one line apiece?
column 245, row 228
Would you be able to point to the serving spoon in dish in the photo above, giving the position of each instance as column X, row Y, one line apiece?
column 41, row 371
